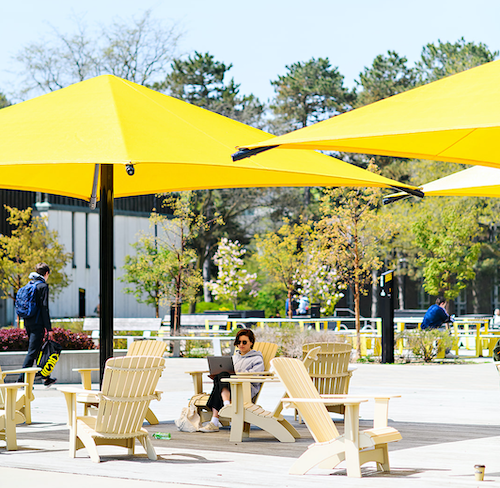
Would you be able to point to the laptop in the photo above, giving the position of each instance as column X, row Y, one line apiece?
column 220, row 364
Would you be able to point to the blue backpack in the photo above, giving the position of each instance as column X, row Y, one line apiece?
column 26, row 306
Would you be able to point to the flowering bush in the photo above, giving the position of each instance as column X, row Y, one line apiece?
column 72, row 340
column 320, row 283
column 290, row 338
column 232, row 278
column 12, row 339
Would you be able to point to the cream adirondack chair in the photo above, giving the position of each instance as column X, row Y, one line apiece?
column 9, row 416
column 25, row 395
column 330, row 372
column 330, row 448
column 137, row 348
column 268, row 350
column 244, row 412
column 128, row 386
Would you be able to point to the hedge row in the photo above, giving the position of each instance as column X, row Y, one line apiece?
column 12, row 339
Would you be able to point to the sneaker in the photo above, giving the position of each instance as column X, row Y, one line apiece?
column 450, row 355
column 49, row 381
column 210, row 427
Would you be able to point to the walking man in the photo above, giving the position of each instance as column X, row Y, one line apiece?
column 40, row 322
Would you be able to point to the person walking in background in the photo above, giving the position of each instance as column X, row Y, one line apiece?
column 40, row 322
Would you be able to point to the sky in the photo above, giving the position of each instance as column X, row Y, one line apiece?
column 261, row 37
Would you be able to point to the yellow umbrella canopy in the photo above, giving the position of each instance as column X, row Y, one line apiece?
column 455, row 119
column 54, row 143
column 172, row 145
column 478, row 181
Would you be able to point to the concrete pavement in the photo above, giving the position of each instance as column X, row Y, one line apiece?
column 448, row 415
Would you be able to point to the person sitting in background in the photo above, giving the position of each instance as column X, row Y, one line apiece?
column 295, row 305
column 245, row 360
column 495, row 321
column 436, row 315
column 303, row 306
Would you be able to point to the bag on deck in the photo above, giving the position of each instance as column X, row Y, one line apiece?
column 26, row 305
column 48, row 357
column 189, row 421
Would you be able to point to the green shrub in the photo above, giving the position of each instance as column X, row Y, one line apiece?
column 428, row 343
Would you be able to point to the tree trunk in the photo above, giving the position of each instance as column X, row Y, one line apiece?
column 307, row 198
column 374, row 293
column 401, row 295
column 357, row 313
column 475, row 296
column 175, row 318
column 358, row 319
column 290, row 311
column 207, row 296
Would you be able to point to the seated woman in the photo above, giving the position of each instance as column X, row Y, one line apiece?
column 245, row 360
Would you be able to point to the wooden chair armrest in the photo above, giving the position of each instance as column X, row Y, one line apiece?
column 368, row 397
column 197, row 377
column 86, row 376
column 327, row 401
column 87, row 396
column 381, row 412
column 14, row 386
column 29, row 378
column 21, row 370
column 73, row 390
column 70, row 397
column 255, row 373
column 251, row 379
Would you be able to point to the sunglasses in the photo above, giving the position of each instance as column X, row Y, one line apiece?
column 237, row 343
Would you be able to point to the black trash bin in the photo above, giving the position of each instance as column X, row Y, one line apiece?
column 315, row 310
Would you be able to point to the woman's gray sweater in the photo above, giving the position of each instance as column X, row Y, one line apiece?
column 252, row 361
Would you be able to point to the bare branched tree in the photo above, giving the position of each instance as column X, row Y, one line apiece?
column 139, row 50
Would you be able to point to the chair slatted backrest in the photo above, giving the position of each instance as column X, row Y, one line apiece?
column 268, row 350
column 2, row 399
column 330, row 372
column 298, row 384
column 128, row 387
column 147, row 348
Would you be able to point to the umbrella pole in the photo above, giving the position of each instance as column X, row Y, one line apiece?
column 106, row 267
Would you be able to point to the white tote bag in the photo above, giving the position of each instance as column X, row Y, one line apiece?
column 189, row 421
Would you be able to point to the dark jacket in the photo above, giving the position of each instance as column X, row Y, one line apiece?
column 41, row 320
column 435, row 317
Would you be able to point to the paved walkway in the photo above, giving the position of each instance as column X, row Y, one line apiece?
column 448, row 415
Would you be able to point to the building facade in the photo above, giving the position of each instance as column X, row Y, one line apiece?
column 78, row 231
